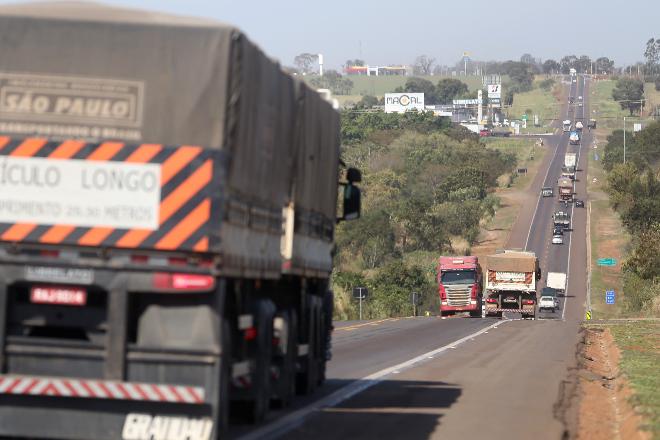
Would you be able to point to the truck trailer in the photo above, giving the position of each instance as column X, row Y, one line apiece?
column 565, row 186
column 566, row 125
column 167, row 225
column 460, row 285
column 511, row 283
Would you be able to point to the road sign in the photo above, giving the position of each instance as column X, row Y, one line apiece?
column 524, row 117
column 610, row 297
column 588, row 315
column 360, row 292
column 494, row 90
column 415, row 298
column 606, row 262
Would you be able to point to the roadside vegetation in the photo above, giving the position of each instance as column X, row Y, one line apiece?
column 427, row 187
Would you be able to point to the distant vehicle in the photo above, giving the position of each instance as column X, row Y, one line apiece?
column 548, row 300
column 546, row 191
column 571, row 100
column 591, row 123
column 579, row 104
column 557, row 230
column 561, row 219
column 511, row 278
column 484, row 133
column 580, row 98
column 574, row 138
column 579, row 203
column 573, row 72
column 460, row 285
column 565, row 185
column 556, row 281
column 557, row 239
column 579, row 126
column 566, row 125
column 574, row 80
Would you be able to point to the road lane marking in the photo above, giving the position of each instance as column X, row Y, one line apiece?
column 353, row 327
column 293, row 420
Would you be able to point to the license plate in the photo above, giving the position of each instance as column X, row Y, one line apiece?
column 59, row 275
column 64, row 296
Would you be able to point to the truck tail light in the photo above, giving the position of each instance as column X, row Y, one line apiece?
column 528, row 302
column 183, row 281
column 491, row 300
column 139, row 259
column 173, row 261
column 250, row 334
column 51, row 253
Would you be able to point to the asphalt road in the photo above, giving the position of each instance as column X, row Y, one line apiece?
column 419, row 378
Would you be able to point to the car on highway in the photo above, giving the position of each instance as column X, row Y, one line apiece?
column 484, row 133
column 546, row 191
column 557, row 231
column 579, row 203
column 557, row 239
column 580, row 98
column 548, row 300
column 579, row 104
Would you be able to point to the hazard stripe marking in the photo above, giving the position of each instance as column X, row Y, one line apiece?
column 29, row 147
column 4, row 140
column 186, row 227
column 106, row 151
column 67, row 150
column 17, row 232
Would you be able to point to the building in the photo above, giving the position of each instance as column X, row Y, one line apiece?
column 378, row 70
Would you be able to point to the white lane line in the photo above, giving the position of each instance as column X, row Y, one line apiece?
column 296, row 418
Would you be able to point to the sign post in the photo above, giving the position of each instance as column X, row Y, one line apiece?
column 360, row 293
column 415, row 299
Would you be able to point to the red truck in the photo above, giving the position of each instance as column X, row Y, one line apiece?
column 460, row 285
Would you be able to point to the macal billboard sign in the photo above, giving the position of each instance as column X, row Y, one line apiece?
column 403, row 102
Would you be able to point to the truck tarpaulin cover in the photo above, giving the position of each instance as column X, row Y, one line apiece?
column 511, row 262
column 96, row 73
column 565, row 182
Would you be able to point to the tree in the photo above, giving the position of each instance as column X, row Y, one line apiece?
column 652, row 55
column 527, row 59
column 604, row 65
column 423, row 65
column 355, row 62
column 305, row 62
column 567, row 63
column 420, row 85
column 448, row 89
column 628, row 92
column 551, row 66
column 368, row 101
column 547, row 84
column 333, row 80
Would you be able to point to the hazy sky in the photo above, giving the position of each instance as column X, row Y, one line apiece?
column 392, row 32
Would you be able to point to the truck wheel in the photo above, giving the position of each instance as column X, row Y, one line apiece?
column 261, row 378
column 445, row 314
column 475, row 314
column 307, row 377
column 286, row 384
column 325, row 337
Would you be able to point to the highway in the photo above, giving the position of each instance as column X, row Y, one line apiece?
column 419, row 378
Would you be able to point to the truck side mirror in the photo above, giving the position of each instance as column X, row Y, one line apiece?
column 352, row 202
column 353, row 175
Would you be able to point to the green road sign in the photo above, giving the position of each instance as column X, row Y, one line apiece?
column 524, row 117
column 606, row 262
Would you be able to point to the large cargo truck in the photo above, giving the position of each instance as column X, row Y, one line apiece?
column 570, row 160
column 574, row 138
column 565, row 186
column 167, row 214
column 511, row 283
column 460, row 285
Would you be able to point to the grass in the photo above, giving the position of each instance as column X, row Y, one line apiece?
column 379, row 85
column 540, row 101
column 639, row 343
column 609, row 114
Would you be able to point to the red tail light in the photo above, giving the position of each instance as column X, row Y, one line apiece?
column 49, row 253
column 183, row 281
column 140, row 259
column 250, row 334
column 491, row 300
column 528, row 301
column 177, row 261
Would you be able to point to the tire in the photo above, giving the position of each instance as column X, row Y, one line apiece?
column 261, row 378
column 445, row 314
column 307, row 379
column 285, row 387
column 475, row 314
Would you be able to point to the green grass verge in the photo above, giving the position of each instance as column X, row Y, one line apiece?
column 540, row 102
column 379, row 85
column 639, row 343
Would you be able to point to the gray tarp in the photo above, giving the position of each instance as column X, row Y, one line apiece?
column 169, row 80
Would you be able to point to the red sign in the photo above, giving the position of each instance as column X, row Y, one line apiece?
column 67, row 296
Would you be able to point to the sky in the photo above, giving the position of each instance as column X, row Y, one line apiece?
column 395, row 32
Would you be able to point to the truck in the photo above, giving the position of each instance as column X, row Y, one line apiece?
column 579, row 125
column 591, row 124
column 565, row 189
column 561, row 219
column 570, row 160
column 556, row 280
column 511, row 283
column 566, row 125
column 460, row 285
column 169, row 205
column 574, row 138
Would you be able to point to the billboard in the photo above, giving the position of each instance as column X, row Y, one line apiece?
column 403, row 102
column 494, row 91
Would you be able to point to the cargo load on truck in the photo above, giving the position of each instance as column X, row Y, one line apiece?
column 511, row 283
column 565, row 186
column 570, row 160
column 173, row 233
column 566, row 125
column 556, row 280
column 460, row 285
column 574, row 138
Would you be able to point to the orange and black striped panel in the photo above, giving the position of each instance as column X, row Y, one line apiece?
column 190, row 191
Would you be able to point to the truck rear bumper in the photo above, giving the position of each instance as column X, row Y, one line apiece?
column 466, row 308
column 84, row 419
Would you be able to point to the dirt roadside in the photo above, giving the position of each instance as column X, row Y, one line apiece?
column 604, row 411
